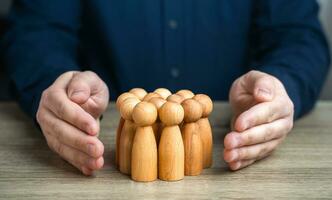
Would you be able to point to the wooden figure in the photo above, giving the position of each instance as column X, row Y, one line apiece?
column 119, row 101
column 186, row 94
column 163, row 92
column 171, row 150
column 205, row 128
column 144, row 152
column 150, row 96
column 117, row 140
column 138, row 92
column 123, row 97
column 175, row 98
column 157, row 126
column 193, row 147
column 127, row 134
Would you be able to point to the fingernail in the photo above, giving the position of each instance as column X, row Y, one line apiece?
column 91, row 149
column 92, row 129
column 264, row 92
column 74, row 93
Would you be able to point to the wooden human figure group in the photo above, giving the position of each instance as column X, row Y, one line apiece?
column 163, row 135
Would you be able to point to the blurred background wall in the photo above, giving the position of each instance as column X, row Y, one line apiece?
column 325, row 15
column 326, row 18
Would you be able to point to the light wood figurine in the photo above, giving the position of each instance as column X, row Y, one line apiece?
column 171, row 150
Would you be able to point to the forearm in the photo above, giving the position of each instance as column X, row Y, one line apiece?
column 37, row 48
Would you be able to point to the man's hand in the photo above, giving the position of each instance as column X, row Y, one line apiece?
column 263, row 116
column 68, row 116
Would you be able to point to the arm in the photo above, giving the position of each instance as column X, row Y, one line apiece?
column 41, row 44
column 41, row 54
column 288, row 43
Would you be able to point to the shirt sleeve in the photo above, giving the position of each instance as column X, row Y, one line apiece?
column 40, row 44
column 287, row 42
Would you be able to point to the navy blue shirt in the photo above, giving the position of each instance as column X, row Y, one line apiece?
column 200, row 45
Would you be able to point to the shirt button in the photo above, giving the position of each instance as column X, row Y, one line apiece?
column 173, row 24
column 175, row 72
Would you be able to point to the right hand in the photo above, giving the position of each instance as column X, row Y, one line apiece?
column 68, row 115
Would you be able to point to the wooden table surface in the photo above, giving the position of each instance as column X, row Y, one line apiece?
column 300, row 168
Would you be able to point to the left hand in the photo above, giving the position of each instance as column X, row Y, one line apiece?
column 263, row 116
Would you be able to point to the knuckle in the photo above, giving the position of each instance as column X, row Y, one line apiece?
column 236, row 83
column 241, row 153
column 248, row 75
column 44, row 95
column 289, row 125
column 60, row 148
column 39, row 116
column 262, row 151
column 251, row 72
column 54, row 93
column 56, row 130
column 91, row 73
column 53, row 126
column 269, row 131
column 61, row 109
column 290, row 106
column 269, row 80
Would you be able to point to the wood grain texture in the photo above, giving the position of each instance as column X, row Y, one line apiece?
column 300, row 169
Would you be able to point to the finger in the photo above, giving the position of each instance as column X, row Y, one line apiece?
column 86, row 171
column 88, row 90
column 62, row 81
column 71, row 136
column 260, row 114
column 73, row 156
column 260, row 84
column 236, row 165
column 58, row 102
column 259, row 134
column 240, row 164
column 251, row 152
column 239, row 97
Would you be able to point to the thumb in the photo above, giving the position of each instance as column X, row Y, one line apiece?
column 89, row 91
column 79, row 88
column 260, row 85
column 264, row 88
